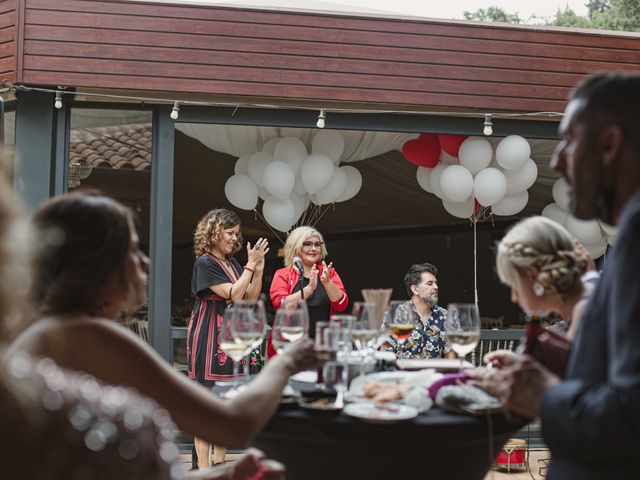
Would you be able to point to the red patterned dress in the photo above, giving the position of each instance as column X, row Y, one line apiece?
column 207, row 362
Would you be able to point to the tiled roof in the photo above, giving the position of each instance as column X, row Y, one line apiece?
column 120, row 146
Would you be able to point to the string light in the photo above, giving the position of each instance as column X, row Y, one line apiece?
column 175, row 111
column 488, row 125
column 58, row 101
column 322, row 115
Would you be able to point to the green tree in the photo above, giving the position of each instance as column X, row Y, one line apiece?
column 492, row 14
column 603, row 15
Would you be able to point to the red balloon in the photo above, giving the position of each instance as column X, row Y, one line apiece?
column 423, row 151
column 476, row 206
column 451, row 143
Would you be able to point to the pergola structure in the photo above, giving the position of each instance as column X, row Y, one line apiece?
column 247, row 66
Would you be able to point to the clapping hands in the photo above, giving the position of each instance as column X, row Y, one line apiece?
column 256, row 254
column 326, row 272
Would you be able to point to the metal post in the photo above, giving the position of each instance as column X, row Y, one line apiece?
column 161, row 233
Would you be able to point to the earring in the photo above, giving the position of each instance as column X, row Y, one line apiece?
column 538, row 289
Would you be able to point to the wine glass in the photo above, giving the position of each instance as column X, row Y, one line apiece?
column 248, row 327
column 462, row 328
column 400, row 319
column 291, row 323
column 228, row 344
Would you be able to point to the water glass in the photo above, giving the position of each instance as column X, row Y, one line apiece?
column 335, row 371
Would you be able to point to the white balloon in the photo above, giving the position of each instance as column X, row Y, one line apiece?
column 278, row 178
column 560, row 193
column 354, row 183
column 241, row 192
column 521, row 179
column 299, row 186
column 313, row 198
column 292, row 151
column 596, row 250
column 587, row 231
column 445, row 158
column 422, row 175
column 608, row 229
column 555, row 212
column 329, row 143
column 511, row 204
column 475, row 153
column 300, row 202
column 242, row 165
column 257, row 164
column 270, row 145
column 264, row 194
column 489, row 186
column 512, row 152
column 459, row 209
column 316, row 172
column 279, row 213
column 456, row 183
column 336, row 188
column 434, row 180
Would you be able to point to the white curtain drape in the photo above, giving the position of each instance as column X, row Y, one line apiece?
column 239, row 140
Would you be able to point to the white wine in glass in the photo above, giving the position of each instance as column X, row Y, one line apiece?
column 291, row 323
column 462, row 328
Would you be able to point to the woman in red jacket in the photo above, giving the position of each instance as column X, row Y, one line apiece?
column 321, row 285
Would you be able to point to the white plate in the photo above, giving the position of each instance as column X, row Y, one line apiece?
column 439, row 364
column 308, row 376
column 383, row 414
column 422, row 378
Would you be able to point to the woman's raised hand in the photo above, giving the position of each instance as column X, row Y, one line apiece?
column 255, row 254
column 326, row 272
column 313, row 279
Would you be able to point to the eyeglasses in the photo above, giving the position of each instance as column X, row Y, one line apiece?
column 312, row 244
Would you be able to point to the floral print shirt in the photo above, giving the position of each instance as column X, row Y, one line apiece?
column 428, row 340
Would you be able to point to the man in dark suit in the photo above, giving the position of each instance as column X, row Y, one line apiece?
column 591, row 418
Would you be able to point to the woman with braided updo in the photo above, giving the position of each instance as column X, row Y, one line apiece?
column 538, row 260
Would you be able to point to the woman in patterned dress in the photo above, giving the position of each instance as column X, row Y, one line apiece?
column 218, row 279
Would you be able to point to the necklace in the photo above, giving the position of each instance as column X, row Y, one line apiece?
column 223, row 260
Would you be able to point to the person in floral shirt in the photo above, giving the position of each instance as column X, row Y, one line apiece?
column 428, row 339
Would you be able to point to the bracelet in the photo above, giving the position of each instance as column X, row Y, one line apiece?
column 252, row 270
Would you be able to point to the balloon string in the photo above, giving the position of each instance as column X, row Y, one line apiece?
column 269, row 226
column 475, row 261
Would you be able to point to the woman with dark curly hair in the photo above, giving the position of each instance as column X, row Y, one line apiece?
column 218, row 279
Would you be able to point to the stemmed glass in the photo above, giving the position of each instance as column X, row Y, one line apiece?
column 226, row 341
column 400, row 319
column 364, row 331
column 291, row 323
column 248, row 327
column 462, row 328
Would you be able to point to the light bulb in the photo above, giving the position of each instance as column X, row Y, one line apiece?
column 321, row 117
column 488, row 125
column 175, row 111
column 58, row 102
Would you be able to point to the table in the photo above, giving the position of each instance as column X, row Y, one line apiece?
column 434, row 445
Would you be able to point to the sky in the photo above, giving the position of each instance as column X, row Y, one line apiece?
column 446, row 9
column 455, row 8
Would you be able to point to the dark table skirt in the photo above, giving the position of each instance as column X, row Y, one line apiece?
column 435, row 445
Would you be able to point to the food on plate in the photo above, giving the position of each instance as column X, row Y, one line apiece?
column 381, row 392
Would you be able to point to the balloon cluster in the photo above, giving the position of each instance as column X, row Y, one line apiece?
column 463, row 173
column 594, row 234
column 288, row 179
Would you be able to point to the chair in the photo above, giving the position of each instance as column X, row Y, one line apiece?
column 140, row 328
column 492, row 340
